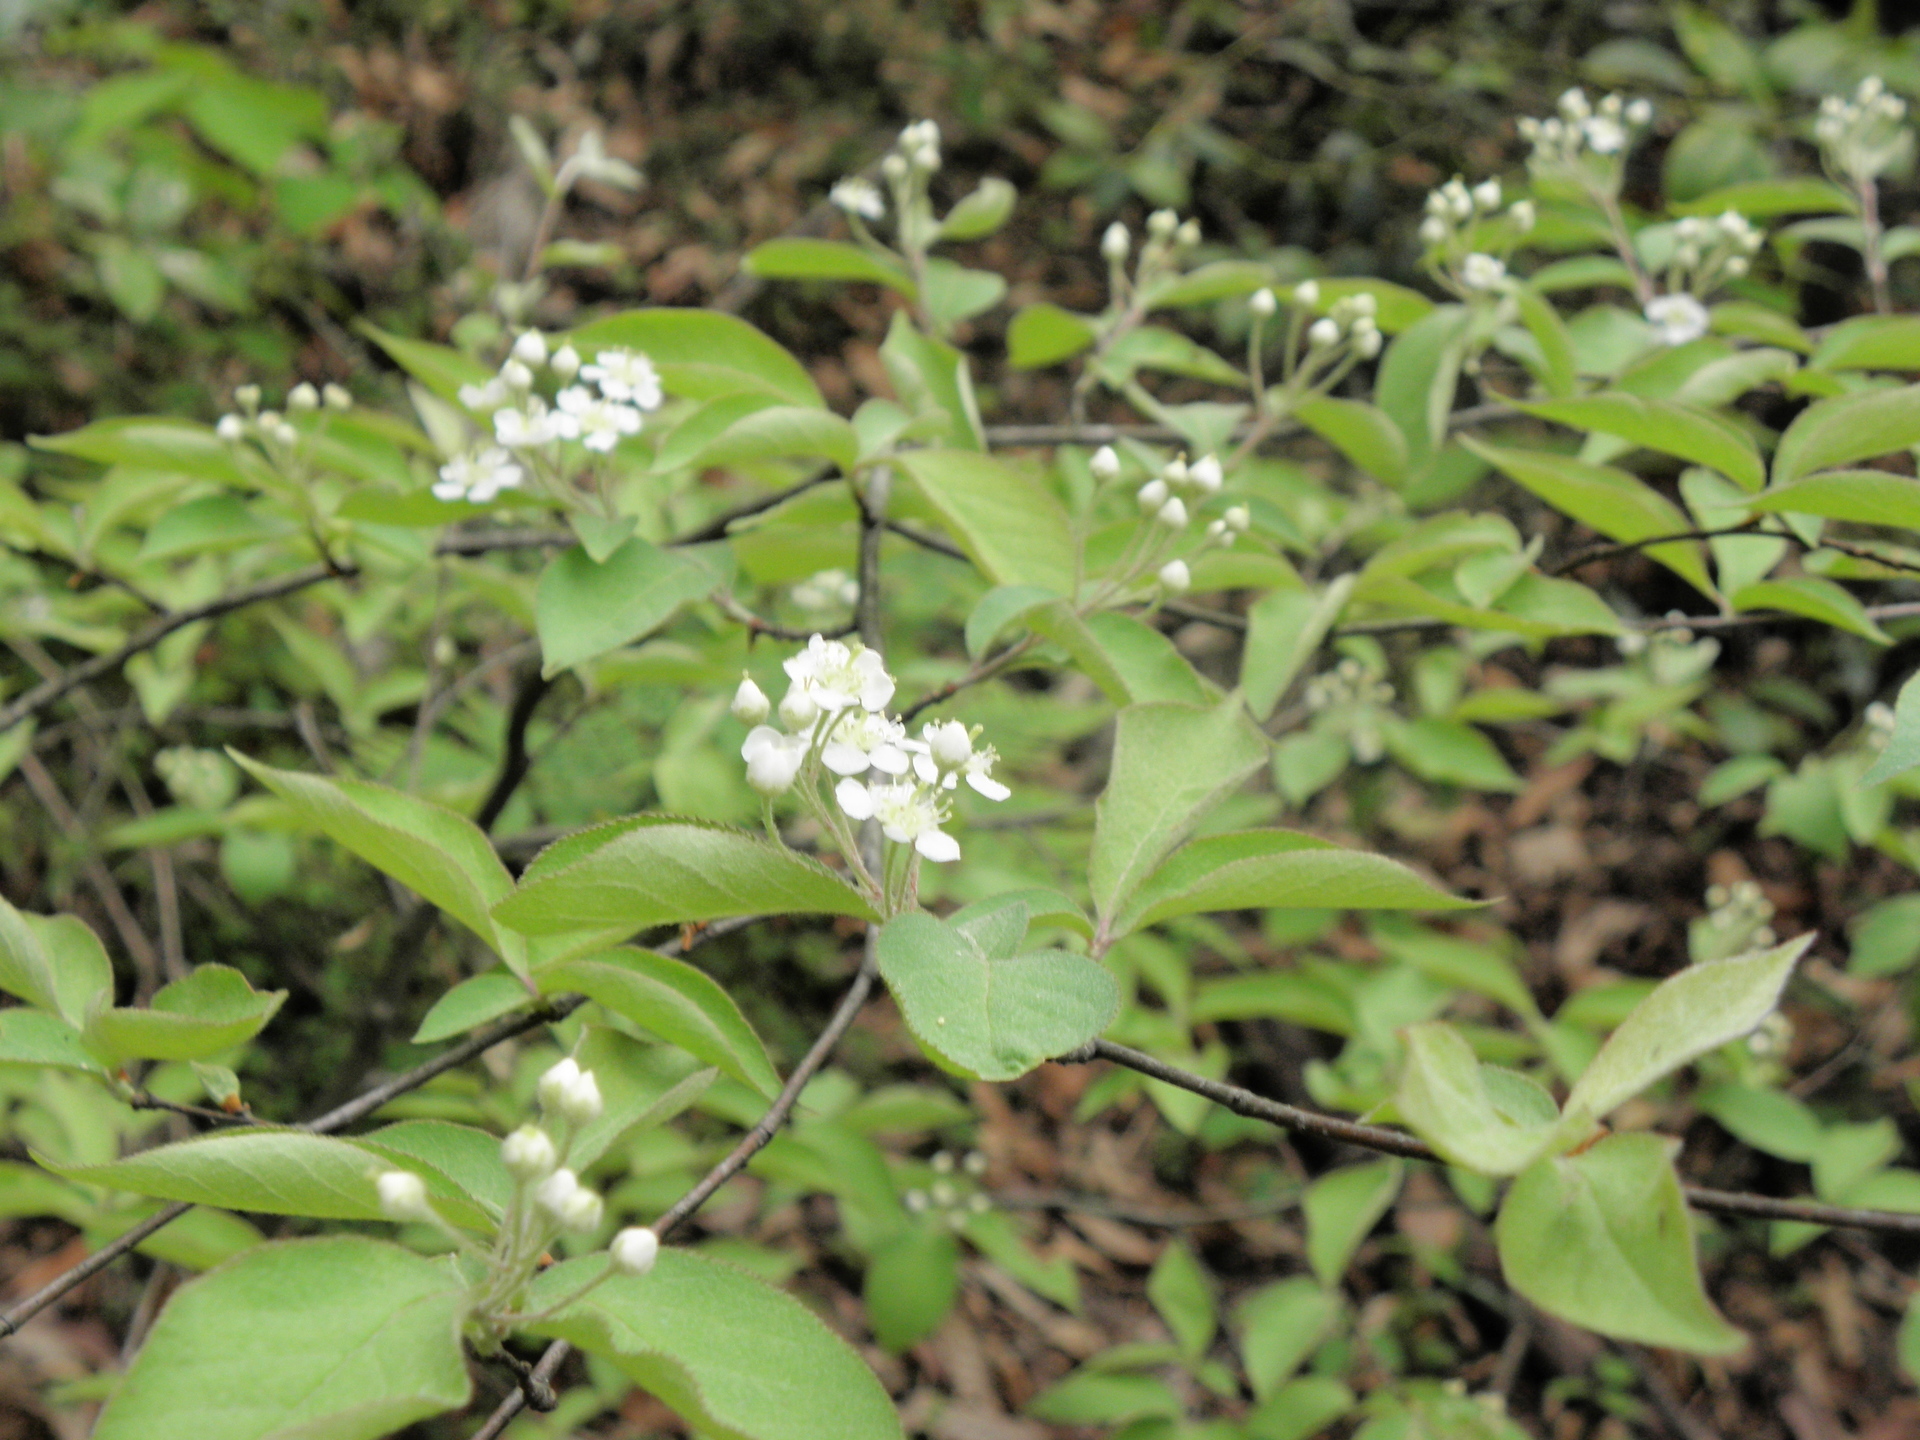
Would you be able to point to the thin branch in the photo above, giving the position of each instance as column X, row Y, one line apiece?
column 1147, row 1215
column 756, row 625
column 872, row 498
column 985, row 670
column 1395, row 1142
column 926, row 540
column 1582, row 558
column 514, row 763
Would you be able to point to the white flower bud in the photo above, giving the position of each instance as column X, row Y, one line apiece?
column 1115, row 243
column 1364, row 305
column 1152, row 496
column 1205, row 475
column 1486, row 195
column 554, row 1083
column 565, row 362
column 1188, row 235
column 303, row 397
column 949, row 744
column 528, row 1153
column 894, row 167
column 1105, row 463
column 1175, row 576
column 403, row 1196
column 1433, row 230
column 1174, row 472
column 1639, row 112
column 773, row 761
column 1218, row 534
column 1173, row 514
column 1523, row 215
column 1736, row 266
column 580, row 1100
column 798, row 710
column 531, row 348
column 1322, row 333
column 634, row 1250
column 337, row 397
column 1162, row 223
column 1307, row 294
column 517, row 375
column 582, row 1211
column 286, row 434
column 1366, row 343
column 1481, row 272
column 247, row 397
column 1263, row 302
column 1238, row 517
column 231, row 428
column 555, row 1191
column 750, row 704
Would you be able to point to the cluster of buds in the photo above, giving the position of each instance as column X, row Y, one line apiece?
column 1168, row 240
column 1586, row 142
column 274, row 432
column 199, row 779
column 1705, row 254
column 945, row 1200
column 1468, row 238
column 1167, row 501
column 836, row 721
column 1348, row 326
column 826, row 591
column 1737, row 920
column 1863, row 138
column 1350, row 700
column 598, row 404
column 1673, row 655
column 548, row 1199
column 1880, row 725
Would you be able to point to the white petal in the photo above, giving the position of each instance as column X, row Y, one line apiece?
column 844, row 759
column 854, row 798
column 938, row 846
column 988, row 786
column 889, row 758
column 924, row 767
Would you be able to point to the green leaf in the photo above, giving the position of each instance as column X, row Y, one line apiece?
column 1341, row 1208
column 582, row 609
column 1770, row 199
column 1365, row 435
column 802, row 259
column 910, row 1286
column 443, row 857
column 1450, row 753
column 1180, row 1291
column 1397, row 307
column 663, row 870
column 738, row 1359
column 954, row 293
column 1129, row 660
column 1557, row 370
column 471, row 1003
column 1603, row 1239
column 1280, row 1326
column 1011, row 526
column 1768, row 1120
column 344, row 1338
column 999, row 608
column 984, row 1009
column 208, row 525
column 1870, row 342
column 702, row 354
column 1276, row 870
column 1097, row 1397
column 54, row 962
column 932, row 378
column 1816, row 598
column 178, row 446
column 981, row 211
column 1305, row 1408
column 33, row 1037
column 778, row 432
column 1863, row 497
column 1171, row 764
column 1043, row 334
column 130, row 277
column 1604, row 499
column 1168, row 351
column 1444, row 1098
column 1847, row 428
column 1221, row 280
column 1284, row 629
column 1688, row 1014
column 1418, row 376
column 1664, row 425
column 1902, row 752
column 440, row 368
column 211, row 1010
column 673, row 1000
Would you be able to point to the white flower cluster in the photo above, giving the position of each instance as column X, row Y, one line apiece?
column 826, row 590
column 1349, row 323
column 1705, row 253
column 1165, row 502
column 918, row 149
column 947, row 1200
column 1737, row 920
column 598, row 404
column 547, row 1199
column 1351, row 697
column 858, row 197
column 1584, row 130
column 270, row 428
column 834, row 714
column 1467, row 240
column 1168, row 241
column 1863, row 138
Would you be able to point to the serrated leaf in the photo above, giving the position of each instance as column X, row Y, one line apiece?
column 210, row 1010
column 663, row 870
column 582, row 609
column 1847, row 428
column 471, row 1003
column 737, row 1358
column 1011, row 526
column 1603, row 1239
column 344, row 1338
column 53, row 962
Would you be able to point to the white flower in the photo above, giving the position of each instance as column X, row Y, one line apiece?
column 1366, row 343
column 1173, row 514
column 528, row 1153
column 1573, row 103
column 945, row 753
column 1481, row 272
column 1188, row 235
column 773, row 759
column 556, row 1190
column 835, row 675
column 303, row 397
column 1175, row 576
column 1323, row 332
column 980, row 774
column 1433, row 230
column 1677, row 319
column 1307, row 294
column 625, row 375
column 909, row 814
column 484, row 397
column 858, row 197
column 1205, row 475
column 1162, row 223
column 750, row 704
column 1486, row 195
column 826, row 590
column 1114, row 243
column 1263, row 302
column 1639, row 112
column 565, row 362
column 478, row 477
column 530, row 348
column 949, row 744
column 865, row 740
column 516, row 376
column 1605, row 136
column 403, row 1196
column 634, row 1250
column 1523, row 215
column 526, row 429
column 1105, row 463
column 601, row 423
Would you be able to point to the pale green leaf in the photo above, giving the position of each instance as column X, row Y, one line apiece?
column 1044, row 334
column 1902, row 752
column 1364, row 434
column 210, row 1010
column 1341, row 1208
column 582, row 609
column 1280, row 1325
column 805, row 259
column 1181, row 1292
column 1284, row 629
column 1847, row 428
column 53, row 962
column 1816, row 598
column 1011, row 526
column 1668, row 426
column 1443, row 1097
column 1864, row 497
column 1870, row 342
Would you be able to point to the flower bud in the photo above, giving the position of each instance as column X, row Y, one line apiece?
column 1188, row 235
column 773, row 760
column 580, row 1100
column 1175, row 576
column 528, row 1153
column 798, row 710
column 565, row 362
column 894, row 167
column 1639, row 112
column 634, row 1250
column 1205, row 475
column 1238, row 518
column 1218, row 534
column 1523, row 215
column 337, row 397
column 1174, row 472
column 1162, row 223
column 1486, row 195
column 1366, row 344
column 531, row 348
column 286, row 434
column 247, row 397
column 750, row 704
column 555, row 1191
column 1307, row 294
column 581, row 1212
column 553, row 1084
column 1152, row 496
column 1322, row 333
column 303, row 397
column 231, row 428
column 1105, row 463
column 1433, row 230
column 1173, row 514
column 1115, row 243
column 403, row 1196
column 1736, row 266
column 949, row 744
column 1263, row 302
column 517, row 375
